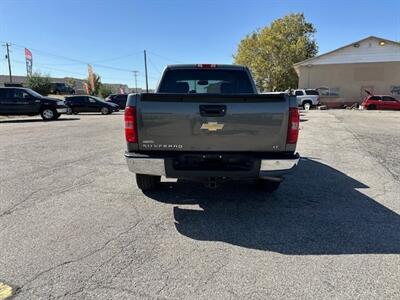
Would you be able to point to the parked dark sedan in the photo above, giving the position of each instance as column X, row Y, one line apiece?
column 119, row 99
column 23, row 101
column 85, row 103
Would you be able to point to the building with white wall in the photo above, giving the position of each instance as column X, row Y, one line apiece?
column 343, row 75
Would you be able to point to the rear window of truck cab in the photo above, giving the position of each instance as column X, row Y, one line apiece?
column 312, row 92
column 206, row 81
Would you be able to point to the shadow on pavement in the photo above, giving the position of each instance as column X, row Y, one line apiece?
column 317, row 210
column 36, row 120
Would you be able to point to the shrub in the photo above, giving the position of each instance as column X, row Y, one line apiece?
column 39, row 83
column 105, row 91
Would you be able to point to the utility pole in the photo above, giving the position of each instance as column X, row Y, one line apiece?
column 8, row 58
column 135, row 73
column 145, row 70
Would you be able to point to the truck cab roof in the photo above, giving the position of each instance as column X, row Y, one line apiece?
column 206, row 66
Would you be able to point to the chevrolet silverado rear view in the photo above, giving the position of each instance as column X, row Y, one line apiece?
column 208, row 123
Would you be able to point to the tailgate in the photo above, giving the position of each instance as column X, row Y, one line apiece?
column 207, row 122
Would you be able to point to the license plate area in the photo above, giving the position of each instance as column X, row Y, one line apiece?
column 213, row 162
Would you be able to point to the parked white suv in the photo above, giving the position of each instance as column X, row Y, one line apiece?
column 307, row 98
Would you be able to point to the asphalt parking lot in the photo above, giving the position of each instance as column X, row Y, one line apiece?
column 74, row 225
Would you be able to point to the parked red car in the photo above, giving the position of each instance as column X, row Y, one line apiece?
column 380, row 102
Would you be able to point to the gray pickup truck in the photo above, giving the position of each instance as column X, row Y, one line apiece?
column 208, row 123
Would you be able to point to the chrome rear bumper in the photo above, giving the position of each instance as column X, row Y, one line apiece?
column 278, row 167
column 143, row 164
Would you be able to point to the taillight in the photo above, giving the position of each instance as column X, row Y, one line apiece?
column 130, row 125
column 206, row 66
column 293, row 126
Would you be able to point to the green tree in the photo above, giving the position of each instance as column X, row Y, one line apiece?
column 270, row 52
column 71, row 82
column 105, row 91
column 39, row 83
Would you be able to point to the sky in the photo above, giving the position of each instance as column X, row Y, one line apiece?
column 65, row 35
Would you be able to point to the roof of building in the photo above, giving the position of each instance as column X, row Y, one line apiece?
column 23, row 79
column 367, row 50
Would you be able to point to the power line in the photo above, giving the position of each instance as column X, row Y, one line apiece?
column 69, row 72
column 52, row 69
column 164, row 57
column 75, row 60
column 153, row 65
column 119, row 57
column 58, row 64
column 96, row 61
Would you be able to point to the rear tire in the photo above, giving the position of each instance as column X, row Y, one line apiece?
column 307, row 105
column 268, row 186
column 371, row 107
column 147, row 182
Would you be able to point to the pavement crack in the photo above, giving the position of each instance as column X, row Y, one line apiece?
column 13, row 208
column 62, row 190
column 381, row 160
column 67, row 262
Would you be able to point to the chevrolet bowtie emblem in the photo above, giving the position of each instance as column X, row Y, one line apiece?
column 212, row 126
